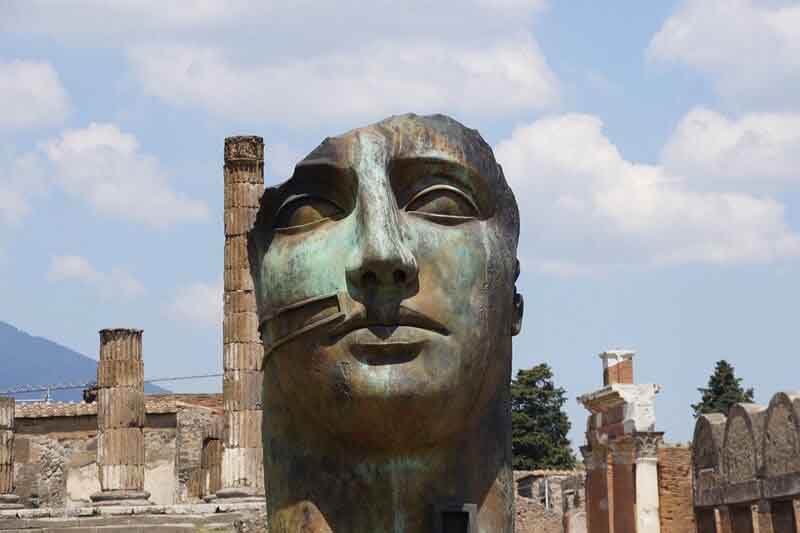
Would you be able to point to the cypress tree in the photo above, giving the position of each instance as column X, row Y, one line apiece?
column 539, row 424
column 724, row 389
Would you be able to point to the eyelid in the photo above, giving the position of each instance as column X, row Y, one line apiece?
column 442, row 187
column 295, row 198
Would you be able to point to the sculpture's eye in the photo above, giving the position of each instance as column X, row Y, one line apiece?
column 443, row 203
column 304, row 210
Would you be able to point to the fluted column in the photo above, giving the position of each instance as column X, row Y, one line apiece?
column 8, row 500
column 120, row 419
column 242, row 461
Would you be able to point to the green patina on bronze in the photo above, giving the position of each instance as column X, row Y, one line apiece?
column 384, row 271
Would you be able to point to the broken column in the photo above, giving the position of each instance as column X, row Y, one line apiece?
column 120, row 419
column 622, row 420
column 8, row 500
column 242, row 462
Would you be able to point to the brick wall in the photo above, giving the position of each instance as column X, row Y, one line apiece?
column 675, row 489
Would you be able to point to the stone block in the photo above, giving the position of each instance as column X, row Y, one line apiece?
column 7, row 409
column 243, row 194
column 239, row 302
column 240, row 327
column 123, row 446
column 238, row 279
column 236, row 252
column 116, row 344
column 120, row 407
column 239, row 220
column 120, row 373
column 243, row 429
column 243, row 356
column 242, row 390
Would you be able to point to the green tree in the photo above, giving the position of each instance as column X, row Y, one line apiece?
column 724, row 389
column 539, row 425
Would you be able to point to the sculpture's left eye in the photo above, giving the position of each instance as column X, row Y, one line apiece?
column 305, row 210
column 443, row 203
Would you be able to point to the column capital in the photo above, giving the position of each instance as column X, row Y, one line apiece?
column 647, row 444
column 623, row 450
column 594, row 458
column 244, row 147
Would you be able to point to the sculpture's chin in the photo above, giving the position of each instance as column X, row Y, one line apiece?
column 401, row 397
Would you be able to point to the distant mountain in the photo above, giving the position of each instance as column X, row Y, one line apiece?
column 29, row 360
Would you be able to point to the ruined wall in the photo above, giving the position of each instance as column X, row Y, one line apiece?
column 192, row 427
column 532, row 517
column 56, row 460
column 675, row 489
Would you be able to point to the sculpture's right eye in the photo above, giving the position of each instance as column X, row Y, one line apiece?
column 305, row 210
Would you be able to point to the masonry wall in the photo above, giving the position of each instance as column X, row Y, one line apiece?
column 532, row 517
column 56, row 460
column 192, row 424
column 675, row 489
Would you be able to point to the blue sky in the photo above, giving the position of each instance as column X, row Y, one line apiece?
column 654, row 149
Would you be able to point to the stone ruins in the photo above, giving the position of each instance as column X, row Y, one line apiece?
column 125, row 461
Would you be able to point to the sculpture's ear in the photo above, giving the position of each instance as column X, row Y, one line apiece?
column 518, row 304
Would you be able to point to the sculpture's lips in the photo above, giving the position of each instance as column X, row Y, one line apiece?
column 396, row 328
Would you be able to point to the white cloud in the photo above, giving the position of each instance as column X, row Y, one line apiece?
column 369, row 82
column 200, row 303
column 72, row 267
column 116, row 284
column 750, row 47
column 757, row 146
column 21, row 178
column 31, row 95
column 587, row 207
column 105, row 166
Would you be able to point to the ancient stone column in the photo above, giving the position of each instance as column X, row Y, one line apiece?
column 120, row 419
column 597, row 504
column 624, row 486
column 647, row 496
column 242, row 461
column 8, row 500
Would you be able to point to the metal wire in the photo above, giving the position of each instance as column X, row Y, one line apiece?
column 22, row 389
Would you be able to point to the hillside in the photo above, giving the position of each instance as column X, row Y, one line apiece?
column 29, row 360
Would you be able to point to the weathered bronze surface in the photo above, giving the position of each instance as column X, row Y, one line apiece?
column 384, row 271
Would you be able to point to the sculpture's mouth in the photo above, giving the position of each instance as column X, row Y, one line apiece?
column 388, row 327
column 392, row 340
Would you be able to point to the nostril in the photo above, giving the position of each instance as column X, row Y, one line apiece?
column 369, row 279
column 399, row 277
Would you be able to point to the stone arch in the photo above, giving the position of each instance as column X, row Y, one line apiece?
column 781, row 444
column 742, row 444
column 707, row 464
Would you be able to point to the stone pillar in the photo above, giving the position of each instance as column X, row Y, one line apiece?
column 8, row 500
column 120, row 419
column 242, row 461
column 762, row 517
column 724, row 519
column 623, row 452
column 597, row 505
column 647, row 496
column 796, row 505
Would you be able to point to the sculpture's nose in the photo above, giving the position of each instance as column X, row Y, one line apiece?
column 382, row 258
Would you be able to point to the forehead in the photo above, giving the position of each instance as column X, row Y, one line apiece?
column 407, row 137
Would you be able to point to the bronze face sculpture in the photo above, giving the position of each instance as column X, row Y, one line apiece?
column 384, row 271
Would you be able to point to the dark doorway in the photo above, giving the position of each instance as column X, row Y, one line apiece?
column 455, row 522
column 742, row 518
column 783, row 517
column 706, row 522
